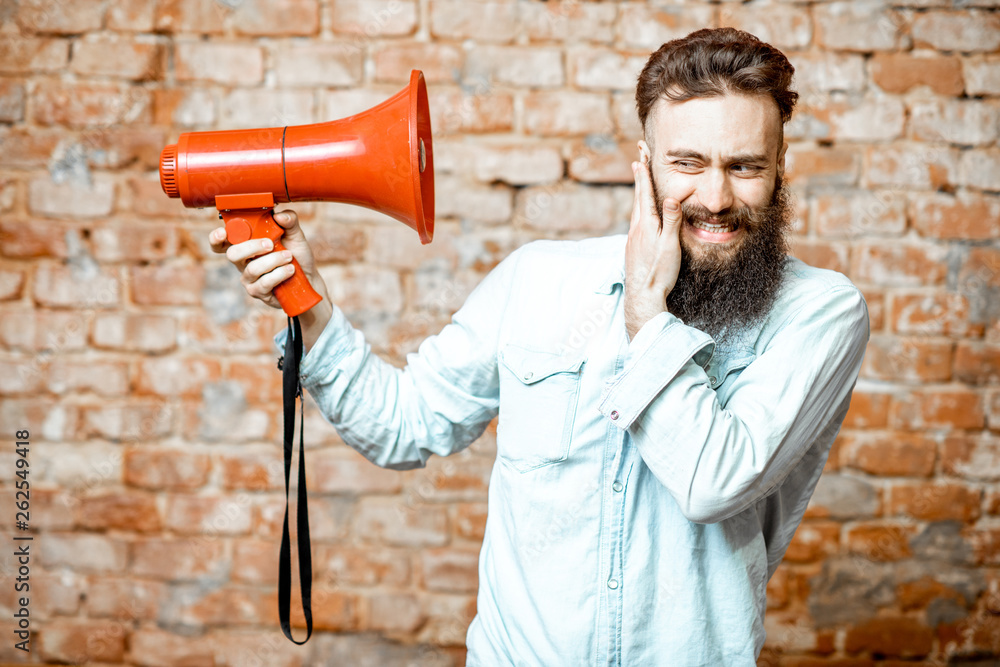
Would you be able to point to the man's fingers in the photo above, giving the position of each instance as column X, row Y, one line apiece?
column 244, row 251
column 671, row 215
column 217, row 239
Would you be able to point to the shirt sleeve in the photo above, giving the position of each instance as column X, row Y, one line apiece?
column 716, row 461
column 438, row 404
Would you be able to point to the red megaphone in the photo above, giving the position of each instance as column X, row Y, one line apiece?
column 381, row 159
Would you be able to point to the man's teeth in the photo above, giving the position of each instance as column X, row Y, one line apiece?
column 709, row 227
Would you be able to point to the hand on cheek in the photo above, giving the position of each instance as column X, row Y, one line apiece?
column 652, row 251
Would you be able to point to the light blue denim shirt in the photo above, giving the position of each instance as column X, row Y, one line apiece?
column 645, row 491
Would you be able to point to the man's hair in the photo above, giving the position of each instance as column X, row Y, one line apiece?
column 713, row 62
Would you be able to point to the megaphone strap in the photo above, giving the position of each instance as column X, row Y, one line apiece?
column 290, row 390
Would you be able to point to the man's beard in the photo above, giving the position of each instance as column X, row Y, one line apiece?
column 724, row 291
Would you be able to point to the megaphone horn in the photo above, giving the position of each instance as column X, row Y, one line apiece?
column 381, row 159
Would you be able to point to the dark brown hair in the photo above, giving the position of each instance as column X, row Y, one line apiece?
column 713, row 62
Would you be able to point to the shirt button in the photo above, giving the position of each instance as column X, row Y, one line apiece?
column 617, row 486
column 614, row 415
column 711, row 378
column 529, row 375
column 612, row 584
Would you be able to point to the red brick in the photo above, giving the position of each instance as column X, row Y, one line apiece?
column 485, row 110
column 868, row 410
column 167, row 284
column 83, row 105
column 65, row 286
column 968, row 30
column 971, row 456
column 11, row 284
column 125, row 59
column 375, row 18
column 879, row 541
column 511, row 163
column 133, row 422
column 534, row 67
column 12, row 97
column 24, row 149
column 176, row 376
column 899, row 265
column 452, row 570
column 993, row 410
column 892, row 637
column 259, row 107
column 870, row 119
column 84, row 552
column 163, row 648
column 70, row 199
column 261, row 383
column 993, row 502
column 921, row 592
column 602, row 161
column 566, row 206
column 937, row 314
column 977, row 363
column 211, row 515
column 566, row 113
column 917, row 165
column 19, row 376
column 54, row 594
column 821, row 254
column 221, row 415
column 396, row 612
column 439, row 62
column 37, row 330
column 102, row 377
column 133, row 243
column 256, row 562
column 626, row 120
column 256, row 470
column 318, row 64
column 134, row 332
column 644, row 26
column 182, row 107
column 784, row 26
column 954, row 407
column 376, row 520
column 605, row 69
column 899, row 72
column 822, row 166
column 117, row 147
column 457, row 198
column 125, row 599
column 891, row 454
column 352, row 566
column 825, row 71
column 333, row 611
column 813, row 541
column 227, row 63
column 56, row 16
column 982, row 75
column 854, row 213
column 875, row 298
column 251, row 334
column 966, row 216
column 191, row 16
column 929, row 501
column 132, row 15
column 848, row 26
column 985, row 545
column 79, row 641
column 966, row 122
column 129, row 511
column 470, row 520
column 165, row 469
column 977, row 168
column 351, row 475
column 568, row 21
column 23, row 55
column 171, row 559
column 277, row 17
column 481, row 21
column 911, row 359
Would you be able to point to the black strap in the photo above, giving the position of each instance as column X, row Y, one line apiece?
column 292, row 389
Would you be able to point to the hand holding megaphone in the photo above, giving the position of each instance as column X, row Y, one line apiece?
column 261, row 270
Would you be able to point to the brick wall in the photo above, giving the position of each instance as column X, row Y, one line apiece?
column 147, row 380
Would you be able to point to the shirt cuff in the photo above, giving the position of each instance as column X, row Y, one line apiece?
column 333, row 344
column 657, row 353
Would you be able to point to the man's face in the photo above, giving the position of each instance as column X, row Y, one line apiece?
column 722, row 158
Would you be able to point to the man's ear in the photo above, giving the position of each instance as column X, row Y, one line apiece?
column 781, row 159
column 645, row 155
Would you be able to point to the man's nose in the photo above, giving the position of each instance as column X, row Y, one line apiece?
column 716, row 193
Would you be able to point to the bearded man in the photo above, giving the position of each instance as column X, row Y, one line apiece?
column 666, row 400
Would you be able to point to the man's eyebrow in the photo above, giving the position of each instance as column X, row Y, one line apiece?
column 728, row 159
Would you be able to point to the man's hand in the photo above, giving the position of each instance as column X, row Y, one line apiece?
column 262, row 270
column 652, row 252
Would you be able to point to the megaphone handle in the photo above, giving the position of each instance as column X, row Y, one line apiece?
column 295, row 294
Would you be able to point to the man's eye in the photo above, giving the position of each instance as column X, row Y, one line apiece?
column 745, row 168
column 685, row 165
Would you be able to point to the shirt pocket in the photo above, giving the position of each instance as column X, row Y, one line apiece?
column 723, row 374
column 539, row 392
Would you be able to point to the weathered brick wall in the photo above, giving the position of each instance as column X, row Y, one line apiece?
column 147, row 380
